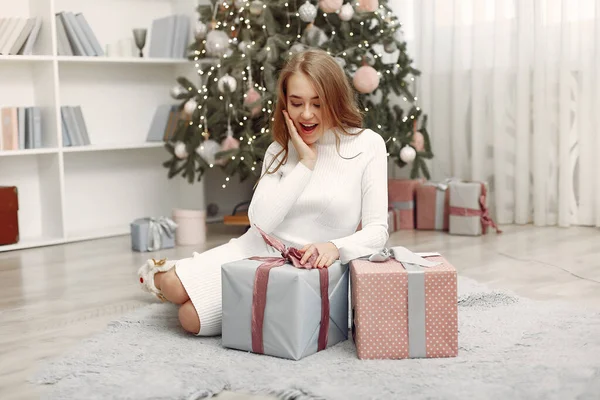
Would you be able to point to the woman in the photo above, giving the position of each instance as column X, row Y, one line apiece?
column 321, row 177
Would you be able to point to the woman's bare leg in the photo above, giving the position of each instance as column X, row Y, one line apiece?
column 171, row 287
column 188, row 317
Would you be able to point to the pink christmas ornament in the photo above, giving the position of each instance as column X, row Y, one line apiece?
column 230, row 143
column 418, row 141
column 366, row 79
column 330, row 6
column 367, row 5
column 346, row 12
column 252, row 96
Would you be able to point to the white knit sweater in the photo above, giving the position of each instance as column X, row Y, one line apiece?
column 302, row 206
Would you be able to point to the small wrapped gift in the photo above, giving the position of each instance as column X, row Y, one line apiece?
column 275, row 306
column 151, row 234
column 469, row 214
column 404, row 305
column 394, row 218
column 401, row 196
column 433, row 206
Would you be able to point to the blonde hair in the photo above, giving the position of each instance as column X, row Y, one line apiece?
column 333, row 88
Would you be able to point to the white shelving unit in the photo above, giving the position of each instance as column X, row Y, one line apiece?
column 79, row 193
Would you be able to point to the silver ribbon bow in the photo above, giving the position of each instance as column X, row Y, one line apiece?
column 443, row 185
column 156, row 227
column 403, row 255
column 414, row 263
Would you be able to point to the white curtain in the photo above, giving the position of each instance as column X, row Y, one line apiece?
column 512, row 91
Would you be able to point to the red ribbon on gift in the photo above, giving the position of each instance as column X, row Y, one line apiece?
column 261, row 281
column 483, row 212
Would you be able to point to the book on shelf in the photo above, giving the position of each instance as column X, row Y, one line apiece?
column 164, row 123
column 18, row 35
column 21, row 128
column 74, row 129
column 169, row 37
column 75, row 37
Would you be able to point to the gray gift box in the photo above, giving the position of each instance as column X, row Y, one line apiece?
column 142, row 240
column 292, row 317
column 465, row 195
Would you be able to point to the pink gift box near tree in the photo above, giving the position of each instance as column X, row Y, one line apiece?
column 469, row 213
column 401, row 197
column 433, row 206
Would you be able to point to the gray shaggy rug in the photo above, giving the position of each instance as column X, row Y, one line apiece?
column 509, row 348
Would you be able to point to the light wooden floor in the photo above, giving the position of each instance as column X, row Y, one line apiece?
column 53, row 297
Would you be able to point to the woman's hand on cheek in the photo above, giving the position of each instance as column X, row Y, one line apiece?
column 307, row 153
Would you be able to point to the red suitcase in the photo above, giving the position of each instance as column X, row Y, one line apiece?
column 9, row 220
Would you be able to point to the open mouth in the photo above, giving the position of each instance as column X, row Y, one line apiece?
column 307, row 129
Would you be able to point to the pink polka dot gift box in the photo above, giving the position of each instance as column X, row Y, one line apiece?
column 401, row 197
column 404, row 305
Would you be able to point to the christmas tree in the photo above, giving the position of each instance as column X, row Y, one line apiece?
column 241, row 45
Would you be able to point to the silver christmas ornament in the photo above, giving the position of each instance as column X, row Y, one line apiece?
column 256, row 7
column 190, row 106
column 408, row 154
column 180, row 150
column 243, row 47
column 227, row 81
column 341, row 62
column 308, row 12
column 314, row 36
column 346, row 12
column 207, row 150
column 217, row 43
column 390, row 46
column 177, row 91
column 201, row 30
column 297, row 48
column 272, row 55
column 239, row 3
